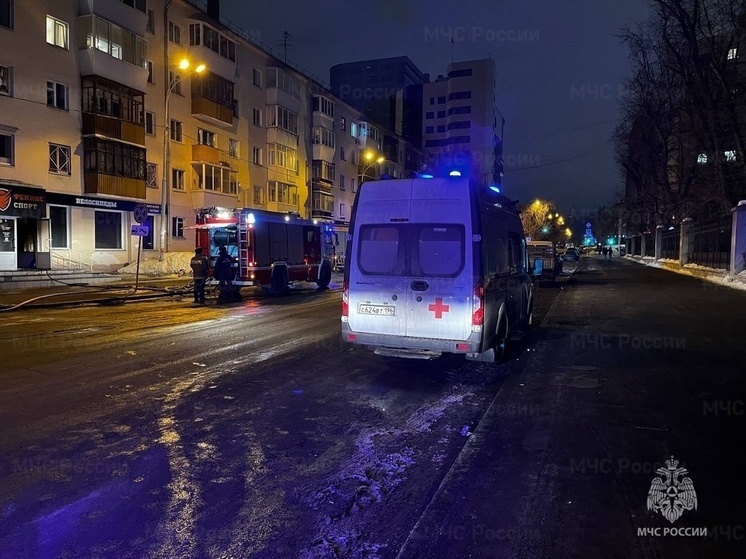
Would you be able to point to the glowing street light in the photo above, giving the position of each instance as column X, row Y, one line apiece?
column 184, row 64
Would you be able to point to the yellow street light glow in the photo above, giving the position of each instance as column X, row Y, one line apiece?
column 368, row 155
column 199, row 69
column 184, row 64
column 380, row 160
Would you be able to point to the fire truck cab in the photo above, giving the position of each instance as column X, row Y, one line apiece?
column 272, row 250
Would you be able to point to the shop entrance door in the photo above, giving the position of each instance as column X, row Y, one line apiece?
column 27, row 235
column 8, row 259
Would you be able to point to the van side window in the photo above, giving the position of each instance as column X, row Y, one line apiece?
column 501, row 253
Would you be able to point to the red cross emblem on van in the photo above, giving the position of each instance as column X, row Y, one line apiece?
column 439, row 308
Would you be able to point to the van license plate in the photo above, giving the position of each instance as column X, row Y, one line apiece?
column 377, row 310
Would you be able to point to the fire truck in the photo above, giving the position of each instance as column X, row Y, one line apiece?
column 272, row 250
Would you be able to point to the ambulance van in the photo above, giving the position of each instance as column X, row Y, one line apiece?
column 435, row 265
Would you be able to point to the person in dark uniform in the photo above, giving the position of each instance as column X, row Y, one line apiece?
column 224, row 273
column 200, row 271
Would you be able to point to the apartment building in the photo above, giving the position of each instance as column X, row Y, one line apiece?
column 461, row 125
column 107, row 104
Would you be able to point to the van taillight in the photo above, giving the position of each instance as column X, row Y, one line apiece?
column 345, row 301
column 477, row 309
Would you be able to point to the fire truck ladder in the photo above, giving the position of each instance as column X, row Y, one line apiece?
column 243, row 245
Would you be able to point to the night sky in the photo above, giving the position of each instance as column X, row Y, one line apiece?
column 559, row 65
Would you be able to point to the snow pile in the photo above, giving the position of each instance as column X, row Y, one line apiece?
column 173, row 263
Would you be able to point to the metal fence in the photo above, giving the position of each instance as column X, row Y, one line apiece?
column 670, row 243
column 649, row 244
column 637, row 249
column 709, row 243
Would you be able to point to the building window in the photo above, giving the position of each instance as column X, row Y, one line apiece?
column 280, row 117
column 207, row 138
column 233, row 148
column 150, row 27
column 279, row 155
column 441, row 128
column 216, row 178
column 7, row 148
column 150, row 123
column 258, row 195
column 57, row 95
column 353, row 185
column 432, row 100
column 441, row 114
column 177, row 179
column 176, row 131
column 342, row 123
column 429, row 129
column 429, row 115
column 323, row 136
column 257, row 77
column 6, row 13
column 341, row 211
column 323, row 170
column 174, row 33
column 283, row 193
column 200, row 33
column 354, row 157
column 323, row 105
column 732, row 54
column 459, row 95
column 113, row 158
column 730, row 155
column 214, row 88
column 702, row 158
column 342, row 153
column 108, row 230
column 59, row 159
column 459, row 125
column 177, row 227
column 279, row 78
column 353, row 129
column 57, row 32
column 341, row 182
column 256, row 116
column 106, row 98
column 151, row 177
column 58, row 220
column 151, row 77
column 256, row 156
column 5, row 80
column 441, row 100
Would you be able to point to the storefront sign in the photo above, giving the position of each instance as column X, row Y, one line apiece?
column 98, row 203
column 22, row 201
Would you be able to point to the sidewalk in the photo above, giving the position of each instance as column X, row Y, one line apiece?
column 123, row 291
column 714, row 275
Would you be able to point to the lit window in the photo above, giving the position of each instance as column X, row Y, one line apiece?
column 5, row 76
column 59, row 159
column 57, row 32
column 732, row 54
column 702, row 158
column 57, row 95
column 730, row 155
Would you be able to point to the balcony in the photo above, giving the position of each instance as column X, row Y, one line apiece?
column 98, row 183
column 323, row 153
column 205, row 154
column 281, row 207
column 114, row 128
column 322, row 185
column 211, row 111
column 116, row 12
column 94, row 62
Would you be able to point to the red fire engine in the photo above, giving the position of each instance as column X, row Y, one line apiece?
column 272, row 250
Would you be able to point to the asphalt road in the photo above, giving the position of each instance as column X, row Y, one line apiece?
column 164, row 429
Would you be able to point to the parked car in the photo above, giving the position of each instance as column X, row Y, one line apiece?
column 571, row 255
column 547, row 251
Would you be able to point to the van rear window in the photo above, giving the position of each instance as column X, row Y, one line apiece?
column 411, row 249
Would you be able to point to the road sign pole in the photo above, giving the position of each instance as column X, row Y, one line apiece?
column 137, row 271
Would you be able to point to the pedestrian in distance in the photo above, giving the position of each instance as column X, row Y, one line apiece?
column 224, row 274
column 200, row 270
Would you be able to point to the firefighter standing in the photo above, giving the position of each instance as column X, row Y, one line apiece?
column 224, row 270
column 200, row 270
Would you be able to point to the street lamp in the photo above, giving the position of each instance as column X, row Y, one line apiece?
column 368, row 155
column 166, row 194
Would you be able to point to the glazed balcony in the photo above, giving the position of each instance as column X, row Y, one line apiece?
column 110, row 185
column 114, row 128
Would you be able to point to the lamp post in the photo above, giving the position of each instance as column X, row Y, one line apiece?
column 166, row 191
column 369, row 157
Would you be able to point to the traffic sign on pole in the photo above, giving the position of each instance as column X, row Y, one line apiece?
column 140, row 230
column 141, row 213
